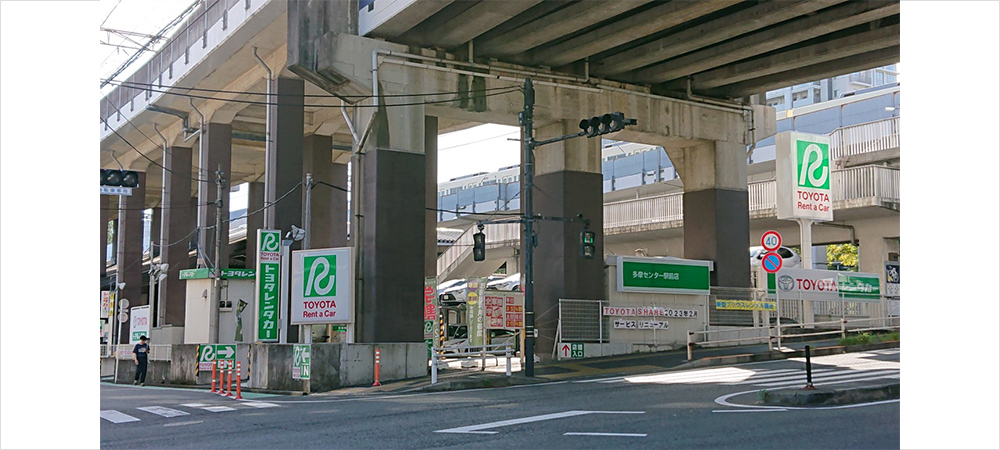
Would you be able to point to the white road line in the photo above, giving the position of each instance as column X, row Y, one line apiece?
column 605, row 434
column 218, row 408
column 178, row 424
column 114, row 416
column 799, row 374
column 724, row 401
column 747, row 410
column 163, row 411
column 194, row 405
column 728, row 375
column 478, row 428
column 857, row 376
column 260, row 404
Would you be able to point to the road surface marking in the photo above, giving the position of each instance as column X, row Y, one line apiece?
column 178, row 424
column 605, row 434
column 218, row 408
column 163, row 411
column 117, row 417
column 260, row 404
column 478, row 428
column 747, row 410
column 728, row 374
column 826, row 378
column 724, row 401
column 799, row 374
column 194, row 405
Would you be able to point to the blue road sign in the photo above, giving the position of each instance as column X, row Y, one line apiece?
column 771, row 262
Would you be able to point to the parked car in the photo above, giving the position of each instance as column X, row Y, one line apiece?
column 789, row 258
column 509, row 283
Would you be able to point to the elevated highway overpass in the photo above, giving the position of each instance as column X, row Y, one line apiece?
column 266, row 90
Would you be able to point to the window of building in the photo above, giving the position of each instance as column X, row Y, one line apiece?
column 776, row 101
column 800, row 96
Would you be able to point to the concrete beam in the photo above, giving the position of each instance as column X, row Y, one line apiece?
column 822, row 70
column 655, row 19
column 797, row 30
column 546, row 29
column 798, row 58
column 715, row 31
column 408, row 18
column 474, row 21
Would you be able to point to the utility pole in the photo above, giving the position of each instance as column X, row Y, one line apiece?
column 218, row 253
column 307, row 240
column 527, row 216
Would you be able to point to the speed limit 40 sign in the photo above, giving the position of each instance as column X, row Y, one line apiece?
column 770, row 240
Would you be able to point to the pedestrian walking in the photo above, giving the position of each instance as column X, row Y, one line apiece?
column 140, row 354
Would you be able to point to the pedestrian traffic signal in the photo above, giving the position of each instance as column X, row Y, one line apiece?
column 119, row 178
column 607, row 123
column 479, row 246
column 587, row 248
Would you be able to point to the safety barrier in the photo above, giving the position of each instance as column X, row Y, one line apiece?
column 775, row 332
column 468, row 353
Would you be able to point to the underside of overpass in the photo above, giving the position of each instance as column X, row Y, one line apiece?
column 437, row 66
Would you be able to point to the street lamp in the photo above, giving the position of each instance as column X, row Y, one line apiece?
column 157, row 272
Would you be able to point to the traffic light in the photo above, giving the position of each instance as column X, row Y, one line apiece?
column 119, row 178
column 587, row 248
column 607, row 123
column 479, row 246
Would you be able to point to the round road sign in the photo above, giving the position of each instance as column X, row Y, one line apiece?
column 123, row 303
column 771, row 240
column 123, row 317
column 771, row 262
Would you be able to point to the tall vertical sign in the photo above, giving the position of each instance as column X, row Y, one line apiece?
column 268, row 284
column 322, row 291
column 140, row 324
column 803, row 172
column 431, row 329
column 475, row 310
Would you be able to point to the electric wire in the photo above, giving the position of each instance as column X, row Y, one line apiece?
column 150, row 86
column 147, row 158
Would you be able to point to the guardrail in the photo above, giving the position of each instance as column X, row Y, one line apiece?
column 864, row 138
column 160, row 352
column 774, row 332
column 497, row 234
column 478, row 351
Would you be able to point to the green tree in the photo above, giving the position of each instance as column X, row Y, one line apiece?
column 845, row 254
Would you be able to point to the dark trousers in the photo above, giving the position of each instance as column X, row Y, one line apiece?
column 140, row 370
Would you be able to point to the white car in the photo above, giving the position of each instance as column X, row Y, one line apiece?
column 789, row 258
column 510, row 283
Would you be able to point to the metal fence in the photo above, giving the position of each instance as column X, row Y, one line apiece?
column 582, row 321
column 160, row 352
column 735, row 318
column 864, row 138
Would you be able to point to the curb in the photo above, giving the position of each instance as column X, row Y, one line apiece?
column 773, row 356
column 818, row 397
column 482, row 382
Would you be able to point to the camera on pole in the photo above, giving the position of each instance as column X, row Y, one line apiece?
column 479, row 245
column 605, row 124
column 119, row 178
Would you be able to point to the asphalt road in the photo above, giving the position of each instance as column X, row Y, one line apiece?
column 702, row 408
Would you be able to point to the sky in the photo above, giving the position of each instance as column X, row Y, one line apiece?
column 48, row 288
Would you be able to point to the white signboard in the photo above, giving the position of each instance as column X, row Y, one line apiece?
column 322, row 286
column 139, row 325
column 105, row 304
column 802, row 163
column 650, row 311
column 630, row 324
column 825, row 285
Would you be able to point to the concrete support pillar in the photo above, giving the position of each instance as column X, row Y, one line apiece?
column 716, row 203
column 177, row 221
column 216, row 154
column 285, row 130
column 338, row 206
column 255, row 201
column 329, row 205
column 874, row 248
column 430, row 215
column 105, row 213
column 130, row 245
column 393, row 250
column 568, row 182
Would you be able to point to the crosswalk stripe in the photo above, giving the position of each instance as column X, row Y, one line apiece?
column 857, row 376
column 163, row 411
column 261, row 404
column 733, row 375
column 797, row 374
column 194, row 405
column 218, row 408
column 114, row 416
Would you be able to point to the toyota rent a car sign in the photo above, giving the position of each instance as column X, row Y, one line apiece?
column 802, row 163
column 322, row 286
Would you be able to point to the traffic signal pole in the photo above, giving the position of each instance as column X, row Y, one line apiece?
column 219, row 181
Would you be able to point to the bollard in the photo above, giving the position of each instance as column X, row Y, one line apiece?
column 690, row 345
column 239, row 381
column 222, row 380
column 809, row 372
column 215, row 365
column 483, row 369
column 843, row 328
column 229, row 381
column 377, row 362
column 434, row 366
column 506, row 352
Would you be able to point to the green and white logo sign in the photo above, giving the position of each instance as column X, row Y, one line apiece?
column 301, row 361
column 225, row 354
column 825, row 285
column 802, row 163
column 658, row 275
column 813, row 164
column 268, row 284
column 322, row 276
column 321, row 286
